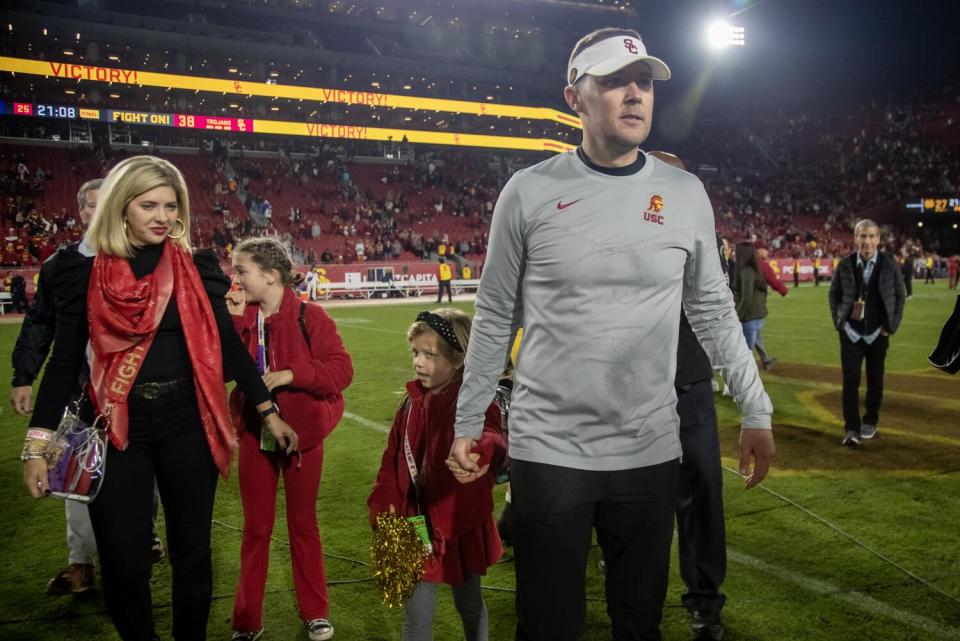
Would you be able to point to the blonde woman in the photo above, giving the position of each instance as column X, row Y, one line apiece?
column 160, row 339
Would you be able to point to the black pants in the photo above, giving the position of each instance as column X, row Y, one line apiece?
column 555, row 510
column 166, row 442
column 929, row 278
column 852, row 357
column 701, row 532
column 908, row 282
column 445, row 285
column 19, row 302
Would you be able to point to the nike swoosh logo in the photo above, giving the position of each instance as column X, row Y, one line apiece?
column 561, row 205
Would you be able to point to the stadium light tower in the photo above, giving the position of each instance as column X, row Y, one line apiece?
column 721, row 34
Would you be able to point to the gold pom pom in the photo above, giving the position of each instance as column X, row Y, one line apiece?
column 398, row 555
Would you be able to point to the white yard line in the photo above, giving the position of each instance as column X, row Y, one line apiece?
column 858, row 600
column 366, row 422
column 348, row 327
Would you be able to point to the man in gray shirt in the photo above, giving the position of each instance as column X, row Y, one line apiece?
column 594, row 251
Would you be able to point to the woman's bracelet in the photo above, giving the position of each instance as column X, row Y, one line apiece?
column 39, row 444
column 35, row 448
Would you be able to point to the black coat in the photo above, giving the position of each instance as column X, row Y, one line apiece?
column 946, row 355
column 843, row 290
column 38, row 329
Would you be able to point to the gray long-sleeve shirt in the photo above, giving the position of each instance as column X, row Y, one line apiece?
column 595, row 267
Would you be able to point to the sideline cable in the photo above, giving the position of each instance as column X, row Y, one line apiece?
column 844, row 533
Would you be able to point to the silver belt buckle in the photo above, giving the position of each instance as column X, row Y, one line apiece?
column 150, row 391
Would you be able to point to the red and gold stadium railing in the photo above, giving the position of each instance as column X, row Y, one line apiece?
column 109, row 75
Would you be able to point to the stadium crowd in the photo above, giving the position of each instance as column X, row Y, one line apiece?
column 769, row 180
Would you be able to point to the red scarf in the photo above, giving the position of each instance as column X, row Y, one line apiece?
column 124, row 315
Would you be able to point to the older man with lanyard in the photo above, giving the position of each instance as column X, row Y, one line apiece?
column 594, row 251
column 866, row 303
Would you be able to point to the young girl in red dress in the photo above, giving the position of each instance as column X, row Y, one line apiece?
column 415, row 480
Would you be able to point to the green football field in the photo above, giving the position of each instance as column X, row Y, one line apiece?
column 837, row 544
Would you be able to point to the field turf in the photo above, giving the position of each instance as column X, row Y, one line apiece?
column 837, row 545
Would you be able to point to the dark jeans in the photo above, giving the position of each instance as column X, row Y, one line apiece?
column 445, row 286
column 852, row 357
column 701, row 532
column 555, row 510
column 166, row 442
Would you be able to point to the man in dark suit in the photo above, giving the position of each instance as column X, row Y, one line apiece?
column 866, row 303
column 701, row 532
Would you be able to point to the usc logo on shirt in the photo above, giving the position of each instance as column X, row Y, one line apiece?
column 653, row 215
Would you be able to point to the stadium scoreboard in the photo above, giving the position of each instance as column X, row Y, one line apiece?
column 185, row 121
column 935, row 205
column 278, row 127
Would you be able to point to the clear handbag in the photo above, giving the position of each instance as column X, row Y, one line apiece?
column 80, row 459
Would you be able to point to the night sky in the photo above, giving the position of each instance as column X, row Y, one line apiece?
column 806, row 50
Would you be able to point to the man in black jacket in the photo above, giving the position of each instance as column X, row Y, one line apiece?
column 866, row 302
column 29, row 353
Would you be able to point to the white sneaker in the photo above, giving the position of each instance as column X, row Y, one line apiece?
column 867, row 431
column 319, row 629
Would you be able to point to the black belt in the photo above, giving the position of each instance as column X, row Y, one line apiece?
column 153, row 390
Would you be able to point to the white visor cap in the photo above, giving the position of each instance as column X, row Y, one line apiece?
column 611, row 55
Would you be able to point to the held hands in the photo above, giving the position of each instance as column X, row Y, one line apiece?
column 20, row 398
column 463, row 462
column 287, row 439
column 759, row 444
column 35, row 477
column 236, row 302
column 278, row 379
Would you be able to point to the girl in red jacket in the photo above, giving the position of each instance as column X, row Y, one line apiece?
column 414, row 479
column 305, row 365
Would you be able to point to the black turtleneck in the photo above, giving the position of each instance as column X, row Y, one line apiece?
column 626, row 170
column 168, row 358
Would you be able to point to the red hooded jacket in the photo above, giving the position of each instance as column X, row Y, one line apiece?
column 313, row 403
column 453, row 509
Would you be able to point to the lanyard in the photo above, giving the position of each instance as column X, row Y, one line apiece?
column 407, row 450
column 262, row 366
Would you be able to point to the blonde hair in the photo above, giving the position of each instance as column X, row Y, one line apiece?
column 126, row 181
column 269, row 253
column 460, row 323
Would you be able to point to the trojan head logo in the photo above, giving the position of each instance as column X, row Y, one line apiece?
column 630, row 46
column 653, row 215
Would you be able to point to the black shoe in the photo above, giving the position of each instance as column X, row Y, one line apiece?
column 706, row 626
